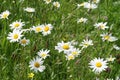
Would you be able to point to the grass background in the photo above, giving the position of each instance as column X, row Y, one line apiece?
column 14, row 58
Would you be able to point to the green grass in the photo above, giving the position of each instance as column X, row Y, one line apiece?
column 14, row 58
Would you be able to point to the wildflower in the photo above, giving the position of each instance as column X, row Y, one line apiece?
column 4, row 15
column 29, row 9
column 17, row 25
column 86, row 43
column 62, row 46
column 48, row 1
column 70, row 57
column 111, row 59
column 56, row 4
column 116, row 47
column 38, row 28
column 89, row 5
column 43, row 53
column 82, row 4
column 46, row 29
column 98, row 65
column 108, row 37
column 37, row 65
column 96, row 1
column 82, row 20
column 24, row 41
column 30, row 75
column 101, row 25
column 15, row 36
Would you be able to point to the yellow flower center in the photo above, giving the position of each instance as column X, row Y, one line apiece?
column 46, row 28
column 30, row 75
column 66, row 46
column 38, row 29
column 23, row 41
column 102, row 26
column 98, row 64
column 106, row 37
column 16, row 25
column 95, row 1
column 15, row 36
column 5, row 15
column 43, row 55
column 86, row 44
column 36, row 64
column 74, row 53
column 70, row 57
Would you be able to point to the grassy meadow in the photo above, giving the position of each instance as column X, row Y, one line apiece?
column 15, row 58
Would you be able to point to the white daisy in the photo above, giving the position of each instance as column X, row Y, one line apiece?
column 37, row 65
column 43, row 53
column 89, row 5
column 24, row 41
column 82, row 4
column 48, row 1
column 86, row 43
column 46, row 29
column 70, row 57
column 38, row 28
column 110, row 59
column 101, row 25
column 98, row 65
column 29, row 9
column 108, row 37
column 62, row 46
column 82, row 20
column 15, row 36
column 17, row 25
column 116, row 47
column 4, row 15
column 56, row 4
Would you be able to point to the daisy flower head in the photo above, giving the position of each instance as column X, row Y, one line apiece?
column 70, row 57
column 29, row 9
column 108, row 37
column 43, row 53
column 89, row 5
column 4, row 15
column 116, row 47
column 82, row 20
column 86, row 43
column 38, row 28
column 15, row 36
column 64, row 46
column 96, row 1
column 98, row 65
column 82, row 4
column 101, row 25
column 110, row 59
column 46, row 29
column 48, row 1
column 17, row 25
column 37, row 64
column 24, row 42
column 56, row 4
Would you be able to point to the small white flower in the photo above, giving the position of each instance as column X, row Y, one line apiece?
column 24, row 41
column 96, row 1
column 56, row 4
column 82, row 20
column 38, row 28
column 110, row 59
column 48, row 1
column 37, row 65
column 98, row 65
column 108, row 37
column 4, row 15
column 46, row 29
column 89, row 5
column 86, row 43
column 43, row 53
column 70, row 57
column 15, row 36
column 17, row 25
column 116, row 47
column 62, row 46
column 82, row 4
column 101, row 25
column 29, row 9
